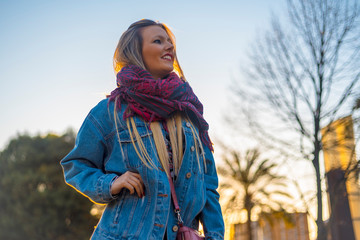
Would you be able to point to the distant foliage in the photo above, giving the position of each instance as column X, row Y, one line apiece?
column 35, row 202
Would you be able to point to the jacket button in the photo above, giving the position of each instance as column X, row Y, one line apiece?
column 192, row 148
column 188, row 175
column 175, row 228
column 188, row 124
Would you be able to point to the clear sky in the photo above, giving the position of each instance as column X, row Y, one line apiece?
column 56, row 56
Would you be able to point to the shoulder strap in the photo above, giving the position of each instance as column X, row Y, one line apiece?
column 175, row 201
column 173, row 194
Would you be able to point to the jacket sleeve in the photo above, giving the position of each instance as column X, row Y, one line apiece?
column 83, row 166
column 211, row 216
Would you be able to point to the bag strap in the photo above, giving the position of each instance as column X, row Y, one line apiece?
column 175, row 201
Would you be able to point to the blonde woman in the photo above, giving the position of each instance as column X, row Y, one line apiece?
column 149, row 129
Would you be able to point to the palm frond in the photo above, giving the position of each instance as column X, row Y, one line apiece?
column 255, row 176
column 229, row 164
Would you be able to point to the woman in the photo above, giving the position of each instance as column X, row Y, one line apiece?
column 149, row 128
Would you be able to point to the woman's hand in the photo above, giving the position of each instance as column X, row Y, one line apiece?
column 131, row 181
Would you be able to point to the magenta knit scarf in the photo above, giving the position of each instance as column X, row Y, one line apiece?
column 157, row 99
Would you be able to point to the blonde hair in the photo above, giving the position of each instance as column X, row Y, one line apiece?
column 129, row 52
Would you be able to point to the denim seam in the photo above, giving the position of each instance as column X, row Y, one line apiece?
column 130, row 217
column 119, row 208
column 103, row 187
column 147, row 208
column 191, row 207
column 99, row 188
column 98, row 127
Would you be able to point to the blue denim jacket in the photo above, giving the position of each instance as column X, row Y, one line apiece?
column 97, row 158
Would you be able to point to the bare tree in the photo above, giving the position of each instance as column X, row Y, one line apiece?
column 304, row 72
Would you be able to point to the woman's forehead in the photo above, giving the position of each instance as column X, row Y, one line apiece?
column 154, row 31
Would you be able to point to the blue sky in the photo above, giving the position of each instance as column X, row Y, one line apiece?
column 56, row 56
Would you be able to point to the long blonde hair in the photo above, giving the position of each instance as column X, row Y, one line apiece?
column 129, row 52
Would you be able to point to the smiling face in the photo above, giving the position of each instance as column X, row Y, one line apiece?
column 157, row 51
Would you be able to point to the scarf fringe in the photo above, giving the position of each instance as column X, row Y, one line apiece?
column 205, row 139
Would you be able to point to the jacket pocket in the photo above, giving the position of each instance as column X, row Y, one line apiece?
column 129, row 214
column 131, row 146
column 126, row 209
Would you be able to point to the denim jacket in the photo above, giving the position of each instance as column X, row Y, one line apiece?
column 97, row 159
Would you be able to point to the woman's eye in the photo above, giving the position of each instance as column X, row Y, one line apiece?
column 157, row 41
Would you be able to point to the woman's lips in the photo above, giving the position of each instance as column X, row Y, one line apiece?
column 168, row 57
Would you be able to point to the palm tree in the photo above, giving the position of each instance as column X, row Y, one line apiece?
column 250, row 183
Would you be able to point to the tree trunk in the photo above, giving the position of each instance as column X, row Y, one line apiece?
column 321, row 231
column 248, row 224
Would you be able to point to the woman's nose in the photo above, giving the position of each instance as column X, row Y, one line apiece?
column 169, row 46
